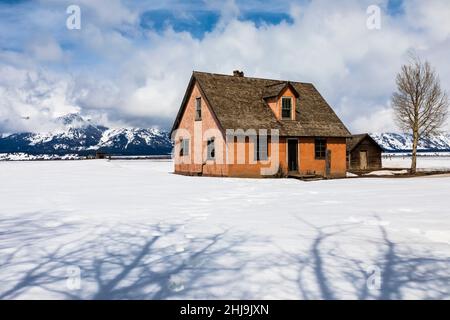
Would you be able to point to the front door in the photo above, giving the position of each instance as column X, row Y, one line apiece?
column 292, row 155
column 363, row 160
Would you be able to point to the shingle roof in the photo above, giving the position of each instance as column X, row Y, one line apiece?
column 238, row 103
column 356, row 139
column 274, row 90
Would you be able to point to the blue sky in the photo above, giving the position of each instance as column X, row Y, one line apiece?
column 129, row 63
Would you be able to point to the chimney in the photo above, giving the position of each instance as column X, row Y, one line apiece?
column 238, row 73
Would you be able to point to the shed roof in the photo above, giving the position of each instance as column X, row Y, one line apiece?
column 356, row 139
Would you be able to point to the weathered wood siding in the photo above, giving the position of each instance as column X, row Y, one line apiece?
column 373, row 155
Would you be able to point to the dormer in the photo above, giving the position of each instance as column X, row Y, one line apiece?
column 281, row 98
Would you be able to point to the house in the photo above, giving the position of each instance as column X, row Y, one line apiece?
column 238, row 126
column 363, row 153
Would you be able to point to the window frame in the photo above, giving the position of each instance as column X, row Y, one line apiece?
column 290, row 109
column 210, row 151
column 322, row 152
column 258, row 155
column 184, row 147
column 198, row 109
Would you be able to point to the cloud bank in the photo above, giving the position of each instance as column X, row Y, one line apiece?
column 130, row 62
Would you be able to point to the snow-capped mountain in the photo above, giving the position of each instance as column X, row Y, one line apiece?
column 396, row 142
column 76, row 135
column 135, row 141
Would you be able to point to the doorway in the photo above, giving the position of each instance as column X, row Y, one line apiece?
column 292, row 155
column 363, row 160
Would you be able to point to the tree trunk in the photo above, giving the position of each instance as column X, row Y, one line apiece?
column 414, row 151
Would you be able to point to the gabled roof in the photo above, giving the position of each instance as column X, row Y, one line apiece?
column 275, row 90
column 239, row 103
column 356, row 139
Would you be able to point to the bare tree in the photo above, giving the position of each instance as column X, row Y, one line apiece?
column 420, row 105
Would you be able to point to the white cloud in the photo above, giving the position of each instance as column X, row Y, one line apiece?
column 46, row 50
column 104, row 12
column 143, row 74
column 377, row 120
column 30, row 99
column 431, row 17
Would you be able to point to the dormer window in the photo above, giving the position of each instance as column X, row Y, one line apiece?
column 286, row 108
column 198, row 109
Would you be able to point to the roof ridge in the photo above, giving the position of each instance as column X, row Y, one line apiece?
column 251, row 78
column 276, row 84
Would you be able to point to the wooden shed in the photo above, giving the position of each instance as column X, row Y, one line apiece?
column 100, row 154
column 363, row 153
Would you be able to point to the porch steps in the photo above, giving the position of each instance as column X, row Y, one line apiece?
column 305, row 177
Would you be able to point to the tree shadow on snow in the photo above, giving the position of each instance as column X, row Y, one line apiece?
column 399, row 267
column 162, row 261
column 121, row 262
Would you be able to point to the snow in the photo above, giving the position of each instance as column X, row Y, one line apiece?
column 404, row 141
column 60, row 146
column 20, row 156
column 424, row 163
column 75, row 133
column 42, row 137
column 109, row 136
column 428, row 154
column 386, row 172
column 134, row 230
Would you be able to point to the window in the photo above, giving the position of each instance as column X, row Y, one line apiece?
column 184, row 147
column 320, row 148
column 261, row 148
column 286, row 108
column 198, row 109
column 210, row 149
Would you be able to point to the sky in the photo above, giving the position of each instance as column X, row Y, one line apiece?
column 130, row 62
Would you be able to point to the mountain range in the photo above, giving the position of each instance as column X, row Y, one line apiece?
column 396, row 142
column 79, row 136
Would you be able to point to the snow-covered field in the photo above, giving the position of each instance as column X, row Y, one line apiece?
column 20, row 156
column 424, row 163
column 135, row 231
